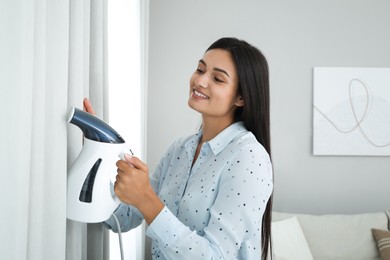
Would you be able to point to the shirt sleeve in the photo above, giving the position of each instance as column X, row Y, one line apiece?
column 234, row 228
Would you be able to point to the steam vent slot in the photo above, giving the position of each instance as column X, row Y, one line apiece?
column 87, row 189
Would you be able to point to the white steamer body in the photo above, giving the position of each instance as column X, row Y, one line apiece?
column 102, row 200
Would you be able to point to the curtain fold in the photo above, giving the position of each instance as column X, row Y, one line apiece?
column 52, row 54
column 87, row 78
column 34, row 67
column 78, row 86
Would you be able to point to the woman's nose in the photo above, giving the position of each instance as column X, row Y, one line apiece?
column 201, row 81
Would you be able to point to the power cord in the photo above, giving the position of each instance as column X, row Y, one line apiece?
column 119, row 235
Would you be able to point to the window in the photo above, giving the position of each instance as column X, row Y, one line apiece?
column 125, row 97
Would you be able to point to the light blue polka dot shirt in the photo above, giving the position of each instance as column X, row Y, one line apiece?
column 214, row 209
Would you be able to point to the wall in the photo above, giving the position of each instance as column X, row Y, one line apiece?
column 295, row 36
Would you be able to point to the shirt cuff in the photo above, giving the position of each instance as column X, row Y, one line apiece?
column 166, row 227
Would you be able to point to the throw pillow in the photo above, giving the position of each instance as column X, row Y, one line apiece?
column 288, row 241
column 382, row 238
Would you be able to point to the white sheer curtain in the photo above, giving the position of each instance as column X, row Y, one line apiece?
column 52, row 54
column 87, row 78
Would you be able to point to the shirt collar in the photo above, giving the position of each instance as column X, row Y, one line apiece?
column 218, row 143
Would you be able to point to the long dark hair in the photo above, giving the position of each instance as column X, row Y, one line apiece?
column 253, row 86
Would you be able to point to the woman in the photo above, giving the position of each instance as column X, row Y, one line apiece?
column 210, row 196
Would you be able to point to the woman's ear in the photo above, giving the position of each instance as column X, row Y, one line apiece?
column 239, row 102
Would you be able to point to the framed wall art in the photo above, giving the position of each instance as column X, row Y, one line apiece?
column 351, row 111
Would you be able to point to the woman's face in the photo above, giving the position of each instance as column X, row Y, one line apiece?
column 213, row 86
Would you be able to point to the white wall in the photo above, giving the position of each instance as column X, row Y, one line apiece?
column 295, row 36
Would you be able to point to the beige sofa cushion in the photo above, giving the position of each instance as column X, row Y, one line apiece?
column 382, row 238
column 340, row 237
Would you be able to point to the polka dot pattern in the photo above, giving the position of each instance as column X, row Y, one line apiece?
column 213, row 210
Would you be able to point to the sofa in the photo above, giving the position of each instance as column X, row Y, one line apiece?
column 325, row 237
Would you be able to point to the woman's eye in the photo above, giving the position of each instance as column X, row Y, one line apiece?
column 199, row 70
column 218, row 79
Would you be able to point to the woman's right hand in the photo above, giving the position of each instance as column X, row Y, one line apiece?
column 88, row 106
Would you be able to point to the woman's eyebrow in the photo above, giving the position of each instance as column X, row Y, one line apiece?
column 217, row 69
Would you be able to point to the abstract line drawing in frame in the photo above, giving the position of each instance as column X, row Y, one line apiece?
column 351, row 111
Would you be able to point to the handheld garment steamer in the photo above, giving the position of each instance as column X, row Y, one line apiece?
column 91, row 196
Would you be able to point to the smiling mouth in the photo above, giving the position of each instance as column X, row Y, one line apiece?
column 199, row 94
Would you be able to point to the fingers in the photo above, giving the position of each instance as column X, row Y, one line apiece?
column 123, row 167
column 119, row 188
column 131, row 181
column 88, row 106
column 136, row 162
column 131, row 164
column 125, row 173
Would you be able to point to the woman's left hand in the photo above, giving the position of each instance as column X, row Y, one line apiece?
column 132, row 187
column 132, row 180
